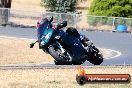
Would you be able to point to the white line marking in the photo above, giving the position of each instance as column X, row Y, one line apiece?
column 16, row 38
column 118, row 54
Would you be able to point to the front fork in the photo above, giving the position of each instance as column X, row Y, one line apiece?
column 62, row 49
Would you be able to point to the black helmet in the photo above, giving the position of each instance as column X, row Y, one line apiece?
column 72, row 31
column 64, row 23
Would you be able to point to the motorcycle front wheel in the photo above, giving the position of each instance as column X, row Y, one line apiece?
column 55, row 52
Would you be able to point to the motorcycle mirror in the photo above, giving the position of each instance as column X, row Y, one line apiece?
column 51, row 19
column 31, row 45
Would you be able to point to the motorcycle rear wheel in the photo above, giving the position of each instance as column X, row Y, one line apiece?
column 95, row 57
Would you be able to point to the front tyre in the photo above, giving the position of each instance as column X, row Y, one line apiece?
column 62, row 62
column 56, row 52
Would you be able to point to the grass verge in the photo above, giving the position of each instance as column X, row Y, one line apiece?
column 17, row 51
column 56, row 78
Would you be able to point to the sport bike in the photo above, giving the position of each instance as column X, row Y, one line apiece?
column 65, row 48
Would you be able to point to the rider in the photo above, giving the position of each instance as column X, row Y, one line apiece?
column 72, row 31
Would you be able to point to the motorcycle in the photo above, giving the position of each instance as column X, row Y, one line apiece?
column 66, row 49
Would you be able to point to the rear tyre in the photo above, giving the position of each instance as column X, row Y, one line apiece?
column 77, row 63
column 58, row 62
column 62, row 62
column 95, row 57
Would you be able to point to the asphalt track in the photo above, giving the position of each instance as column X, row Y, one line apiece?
column 117, row 41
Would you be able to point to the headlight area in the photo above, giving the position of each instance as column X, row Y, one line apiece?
column 48, row 36
column 57, row 37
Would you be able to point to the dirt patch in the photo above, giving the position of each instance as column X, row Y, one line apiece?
column 28, row 5
column 33, row 5
column 16, row 51
column 56, row 78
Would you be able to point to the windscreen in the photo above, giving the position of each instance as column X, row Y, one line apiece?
column 42, row 25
